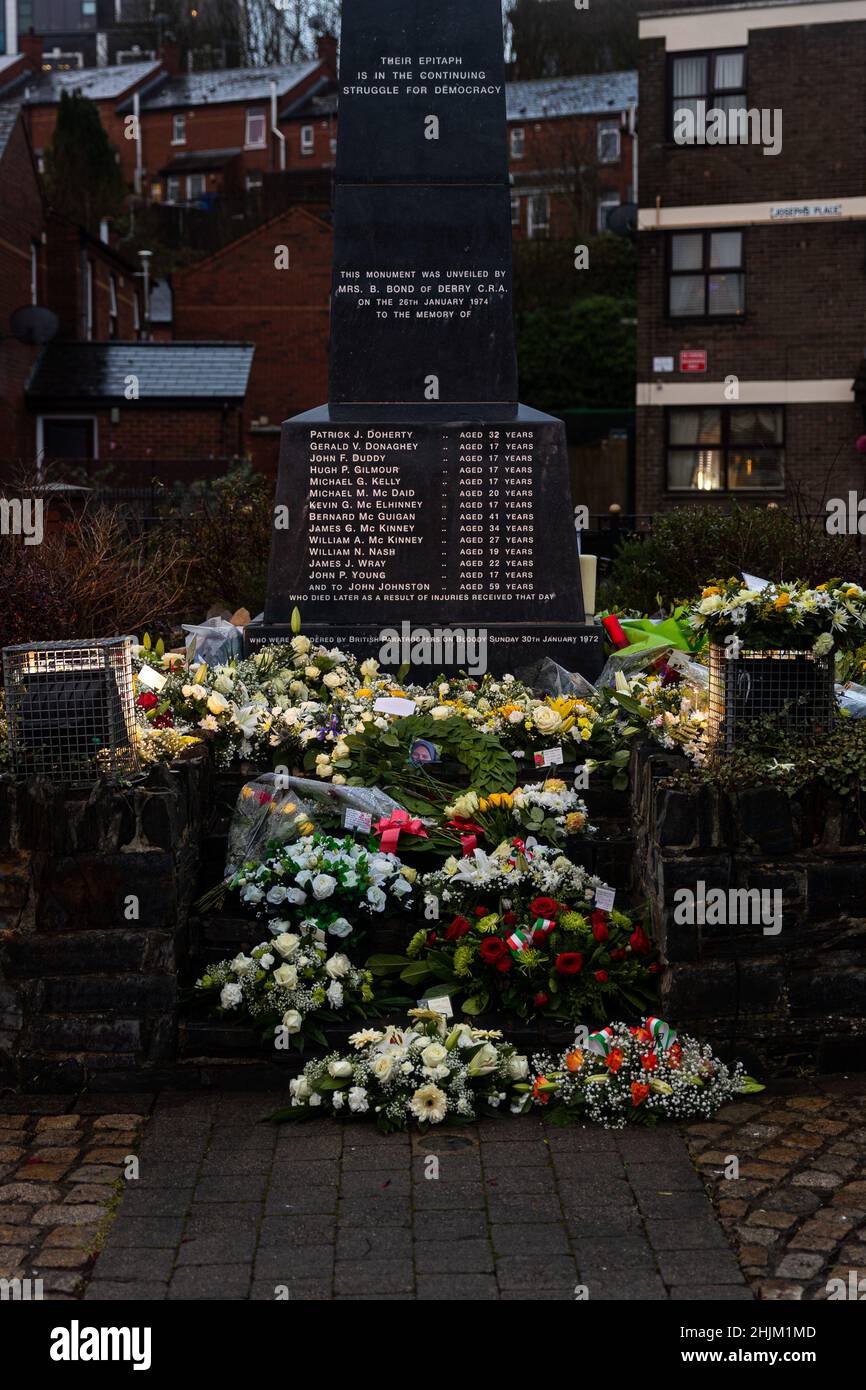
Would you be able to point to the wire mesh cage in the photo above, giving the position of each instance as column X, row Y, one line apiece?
column 794, row 687
column 70, row 709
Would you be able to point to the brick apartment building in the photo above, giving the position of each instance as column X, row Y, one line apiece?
column 752, row 272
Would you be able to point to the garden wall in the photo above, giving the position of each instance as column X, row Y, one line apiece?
column 795, row 999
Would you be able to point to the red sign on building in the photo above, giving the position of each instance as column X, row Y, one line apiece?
column 693, row 360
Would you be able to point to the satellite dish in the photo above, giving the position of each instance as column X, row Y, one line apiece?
column 33, row 324
column 622, row 221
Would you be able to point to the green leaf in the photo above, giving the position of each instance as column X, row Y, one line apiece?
column 415, row 973
column 475, row 1005
column 386, row 965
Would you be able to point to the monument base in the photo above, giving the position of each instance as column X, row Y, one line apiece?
column 448, row 648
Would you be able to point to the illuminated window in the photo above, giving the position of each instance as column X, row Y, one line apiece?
column 739, row 448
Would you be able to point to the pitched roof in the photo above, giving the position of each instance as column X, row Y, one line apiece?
column 226, row 84
column 180, row 372
column 591, row 94
column 100, row 84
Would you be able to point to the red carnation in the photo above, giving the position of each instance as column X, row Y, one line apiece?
column 482, row 912
column 654, row 968
column 598, row 921
column 544, row 907
column 492, row 949
column 639, row 942
column 601, row 976
column 649, row 1061
column 639, row 1093
column 459, row 927
column 618, row 954
column 509, row 919
column 541, row 1000
column 504, row 965
column 431, row 938
column 147, row 700
column 569, row 963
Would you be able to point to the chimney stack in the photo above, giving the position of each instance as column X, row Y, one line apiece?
column 170, row 56
column 326, row 51
column 30, row 45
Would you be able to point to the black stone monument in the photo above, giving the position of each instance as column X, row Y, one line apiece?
column 423, row 515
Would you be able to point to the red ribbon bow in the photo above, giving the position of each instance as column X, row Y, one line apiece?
column 391, row 828
column 468, row 832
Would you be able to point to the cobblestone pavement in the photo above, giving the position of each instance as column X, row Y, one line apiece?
column 61, row 1174
column 797, row 1211
column 228, row 1208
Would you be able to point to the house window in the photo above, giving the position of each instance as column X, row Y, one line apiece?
column 518, row 143
column 308, row 139
column 538, row 215
column 196, row 187
column 718, row 79
column 515, row 210
column 136, row 314
column 172, row 188
column 738, row 448
column 178, row 128
column 608, row 142
column 66, row 437
column 606, row 204
column 113, row 315
column 706, row 278
column 256, row 130
column 34, row 272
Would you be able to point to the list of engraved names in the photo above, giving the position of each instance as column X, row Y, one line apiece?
column 397, row 513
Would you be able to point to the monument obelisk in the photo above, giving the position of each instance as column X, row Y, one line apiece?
column 423, row 496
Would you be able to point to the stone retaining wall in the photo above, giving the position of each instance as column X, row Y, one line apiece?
column 788, row 1000
column 95, row 891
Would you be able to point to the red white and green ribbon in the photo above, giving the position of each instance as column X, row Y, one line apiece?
column 542, row 927
column 600, row 1042
column 519, row 940
column 661, row 1033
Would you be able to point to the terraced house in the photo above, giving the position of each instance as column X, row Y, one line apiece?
column 752, row 279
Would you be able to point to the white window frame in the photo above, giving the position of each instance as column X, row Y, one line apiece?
column 516, row 210
column 308, row 139
column 605, row 205
column 260, row 114
column 113, row 313
column 537, row 229
column 517, row 141
column 606, row 128
column 178, row 116
column 172, row 188
column 254, row 179
column 63, row 415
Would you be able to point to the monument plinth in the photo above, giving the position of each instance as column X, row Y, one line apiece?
column 423, row 496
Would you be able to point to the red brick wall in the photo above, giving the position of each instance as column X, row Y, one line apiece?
column 820, row 461
column 823, row 119
column 66, row 284
column 216, row 127
column 21, row 221
column 149, row 438
column 570, row 143
column 238, row 295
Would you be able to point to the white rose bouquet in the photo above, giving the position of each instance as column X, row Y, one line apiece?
column 422, row 1073
column 289, row 987
column 320, row 882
